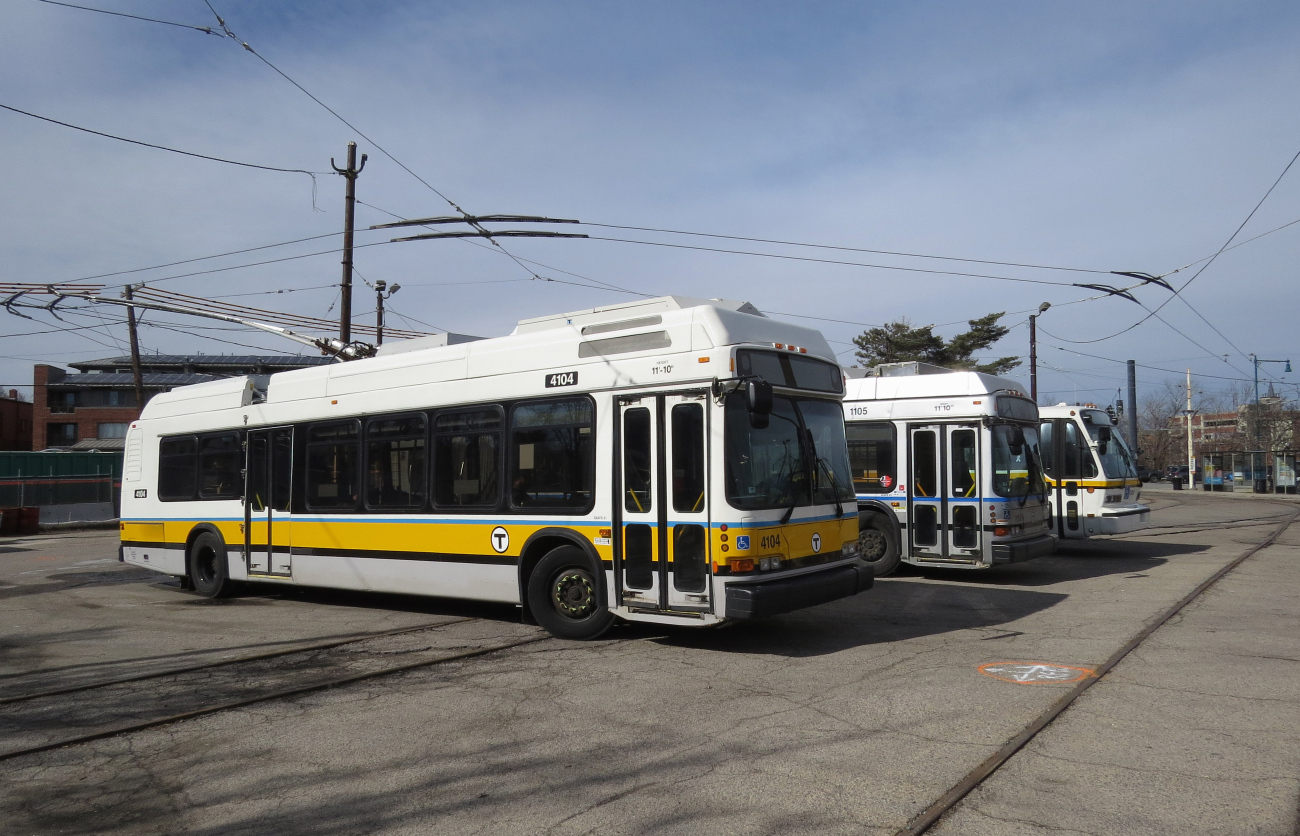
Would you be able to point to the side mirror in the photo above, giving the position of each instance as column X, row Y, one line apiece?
column 1103, row 439
column 758, row 395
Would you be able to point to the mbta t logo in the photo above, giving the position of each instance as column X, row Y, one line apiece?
column 500, row 540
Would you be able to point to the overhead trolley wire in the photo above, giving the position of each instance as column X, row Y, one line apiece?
column 468, row 218
column 207, row 30
column 1208, row 261
column 831, row 261
column 846, row 248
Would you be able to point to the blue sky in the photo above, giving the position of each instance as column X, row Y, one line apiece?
column 1109, row 136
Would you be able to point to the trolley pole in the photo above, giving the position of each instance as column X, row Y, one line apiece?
column 135, row 351
column 1132, row 408
column 349, row 216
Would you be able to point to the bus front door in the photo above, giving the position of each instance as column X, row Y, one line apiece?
column 663, row 561
column 267, row 492
column 963, row 490
column 925, row 498
column 944, row 507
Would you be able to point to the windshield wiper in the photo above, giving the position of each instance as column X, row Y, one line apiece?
column 839, row 506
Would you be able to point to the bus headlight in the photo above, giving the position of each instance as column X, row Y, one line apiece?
column 850, row 548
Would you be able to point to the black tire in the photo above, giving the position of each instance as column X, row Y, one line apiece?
column 567, row 597
column 209, row 571
column 877, row 544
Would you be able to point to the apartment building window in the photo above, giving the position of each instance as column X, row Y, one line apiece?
column 60, row 435
column 112, row 430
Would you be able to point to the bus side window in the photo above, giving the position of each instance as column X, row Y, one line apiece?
column 220, row 466
column 1077, row 458
column 925, row 464
column 963, row 463
column 552, row 455
column 688, row 458
column 178, row 468
column 395, row 462
column 333, row 462
column 637, row 478
column 871, row 457
column 466, row 457
column 1047, row 451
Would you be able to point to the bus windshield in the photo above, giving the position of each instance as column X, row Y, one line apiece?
column 1016, row 470
column 773, row 468
column 1117, row 460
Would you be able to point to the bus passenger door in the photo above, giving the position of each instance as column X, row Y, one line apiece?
column 684, row 515
column 638, row 503
column 268, row 483
column 257, row 503
column 963, row 491
column 926, row 501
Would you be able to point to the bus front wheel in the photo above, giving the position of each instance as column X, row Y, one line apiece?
column 209, row 572
column 877, row 544
column 565, row 596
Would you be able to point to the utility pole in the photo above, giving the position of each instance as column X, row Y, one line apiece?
column 349, row 215
column 380, row 296
column 1191, row 452
column 1033, row 350
column 135, row 351
column 1132, row 408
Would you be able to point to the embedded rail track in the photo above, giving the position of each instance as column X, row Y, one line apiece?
column 41, row 704
column 932, row 814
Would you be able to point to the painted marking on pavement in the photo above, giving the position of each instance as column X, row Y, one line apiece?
column 1034, row 673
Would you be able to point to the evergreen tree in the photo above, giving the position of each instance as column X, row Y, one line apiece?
column 900, row 342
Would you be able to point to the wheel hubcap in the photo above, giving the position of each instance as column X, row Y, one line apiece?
column 872, row 544
column 574, row 593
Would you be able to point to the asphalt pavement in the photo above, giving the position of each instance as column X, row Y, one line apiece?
column 847, row 718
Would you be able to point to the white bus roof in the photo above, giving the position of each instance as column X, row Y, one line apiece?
column 618, row 345
column 928, row 385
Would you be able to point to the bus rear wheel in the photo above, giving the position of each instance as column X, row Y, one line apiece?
column 877, row 544
column 209, row 572
column 565, row 597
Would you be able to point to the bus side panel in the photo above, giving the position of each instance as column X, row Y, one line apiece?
column 476, row 582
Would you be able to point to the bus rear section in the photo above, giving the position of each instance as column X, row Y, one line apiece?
column 946, row 469
column 1091, row 473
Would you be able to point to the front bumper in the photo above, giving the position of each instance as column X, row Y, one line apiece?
column 1022, row 550
column 1119, row 519
column 782, row 595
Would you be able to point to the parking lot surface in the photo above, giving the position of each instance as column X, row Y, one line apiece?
column 848, row 718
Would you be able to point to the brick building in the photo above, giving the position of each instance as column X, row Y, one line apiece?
column 91, row 408
column 15, row 422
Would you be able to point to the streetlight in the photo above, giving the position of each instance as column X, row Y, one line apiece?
column 1033, row 350
column 380, row 296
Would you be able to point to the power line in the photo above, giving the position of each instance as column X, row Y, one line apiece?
column 210, row 257
column 311, row 174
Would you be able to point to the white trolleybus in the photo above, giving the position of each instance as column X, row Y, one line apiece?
column 946, row 467
column 1091, row 473
column 675, row 460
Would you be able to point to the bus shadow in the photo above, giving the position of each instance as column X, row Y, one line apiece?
column 896, row 609
column 1073, row 562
